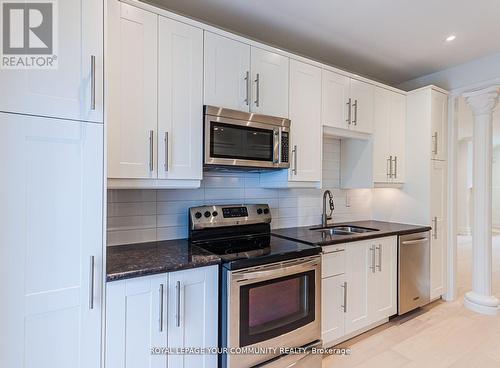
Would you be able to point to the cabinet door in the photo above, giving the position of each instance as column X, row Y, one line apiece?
column 136, row 311
column 438, row 217
column 305, row 113
column 180, row 106
column 362, row 106
column 397, row 133
column 64, row 92
column 382, row 284
column 439, row 124
column 359, row 257
column 193, row 315
column 335, row 98
column 51, row 242
column 382, row 154
column 270, row 83
column 227, row 73
column 332, row 308
column 132, row 91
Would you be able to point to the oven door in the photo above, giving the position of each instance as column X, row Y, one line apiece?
column 273, row 306
column 230, row 142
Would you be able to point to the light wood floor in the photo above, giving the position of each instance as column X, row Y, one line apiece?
column 440, row 335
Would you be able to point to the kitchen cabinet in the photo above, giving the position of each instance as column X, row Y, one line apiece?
column 389, row 137
column 180, row 106
column 347, row 103
column 227, row 73
column 427, row 177
column 243, row 77
column 192, row 315
column 155, row 100
column 438, row 205
column 439, row 124
column 359, row 287
column 173, row 310
column 136, row 322
column 73, row 90
column 305, row 114
column 270, row 80
column 52, row 242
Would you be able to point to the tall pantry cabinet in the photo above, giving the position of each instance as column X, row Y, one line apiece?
column 51, row 195
column 427, row 122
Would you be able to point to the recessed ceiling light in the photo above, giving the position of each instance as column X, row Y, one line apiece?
column 450, row 38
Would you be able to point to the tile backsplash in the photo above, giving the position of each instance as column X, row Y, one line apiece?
column 161, row 214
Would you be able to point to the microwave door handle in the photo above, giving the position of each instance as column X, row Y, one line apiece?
column 280, row 148
column 276, row 150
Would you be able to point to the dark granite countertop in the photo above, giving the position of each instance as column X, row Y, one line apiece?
column 134, row 260
column 305, row 235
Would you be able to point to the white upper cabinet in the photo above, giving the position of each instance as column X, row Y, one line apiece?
column 180, row 105
column 361, row 106
column 51, row 242
column 335, row 99
column 439, row 124
column 132, row 71
column 74, row 90
column 227, row 73
column 389, row 136
column 305, row 114
column 270, row 83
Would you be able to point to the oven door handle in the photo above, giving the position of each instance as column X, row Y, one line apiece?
column 277, row 271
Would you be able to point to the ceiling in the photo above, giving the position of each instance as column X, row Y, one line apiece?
column 389, row 40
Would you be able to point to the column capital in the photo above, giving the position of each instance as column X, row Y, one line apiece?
column 483, row 101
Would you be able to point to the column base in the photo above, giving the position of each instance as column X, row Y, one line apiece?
column 482, row 303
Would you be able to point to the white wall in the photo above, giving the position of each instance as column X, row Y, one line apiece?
column 496, row 188
column 148, row 215
column 475, row 71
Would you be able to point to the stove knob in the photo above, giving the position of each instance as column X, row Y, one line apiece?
column 259, row 211
column 266, row 211
column 207, row 214
column 197, row 215
column 215, row 213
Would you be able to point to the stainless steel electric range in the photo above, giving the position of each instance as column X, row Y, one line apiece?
column 270, row 287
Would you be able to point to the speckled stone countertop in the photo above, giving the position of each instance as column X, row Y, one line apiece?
column 134, row 260
column 308, row 236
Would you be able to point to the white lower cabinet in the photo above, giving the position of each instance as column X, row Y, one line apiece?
column 359, row 288
column 50, row 242
column 174, row 310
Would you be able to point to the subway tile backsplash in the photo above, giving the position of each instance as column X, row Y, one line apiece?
column 147, row 215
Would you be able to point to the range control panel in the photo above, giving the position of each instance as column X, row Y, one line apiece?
column 228, row 215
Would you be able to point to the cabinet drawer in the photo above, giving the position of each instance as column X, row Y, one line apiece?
column 333, row 263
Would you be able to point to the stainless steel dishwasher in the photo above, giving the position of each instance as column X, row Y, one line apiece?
column 413, row 271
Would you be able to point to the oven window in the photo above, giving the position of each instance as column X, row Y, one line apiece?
column 272, row 308
column 245, row 143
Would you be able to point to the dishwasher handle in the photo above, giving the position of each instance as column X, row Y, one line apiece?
column 415, row 241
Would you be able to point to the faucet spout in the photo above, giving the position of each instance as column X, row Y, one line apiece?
column 325, row 217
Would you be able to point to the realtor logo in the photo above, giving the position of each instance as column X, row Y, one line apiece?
column 29, row 34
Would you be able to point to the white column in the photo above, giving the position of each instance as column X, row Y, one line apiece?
column 480, row 299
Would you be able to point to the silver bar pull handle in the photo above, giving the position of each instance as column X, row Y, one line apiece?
column 247, row 87
column 178, row 305
column 91, row 282
column 435, row 220
column 151, row 150
column 349, row 112
column 92, row 82
column 391, row 174
column 379, row 248
column 344, row 306
column 257, row 93
column 435, row 143
column 295, row 153
column 355, row 105
column 161, row 307
column 372, row 251
column 166, row 151
column 395, row 167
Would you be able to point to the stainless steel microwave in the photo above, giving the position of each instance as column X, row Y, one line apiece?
column 246, row 140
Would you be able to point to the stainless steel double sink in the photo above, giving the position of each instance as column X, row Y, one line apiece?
column 342, row 230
